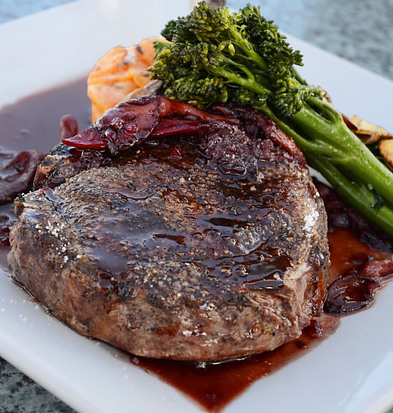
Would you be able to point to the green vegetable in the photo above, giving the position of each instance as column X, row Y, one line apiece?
column 215, row 56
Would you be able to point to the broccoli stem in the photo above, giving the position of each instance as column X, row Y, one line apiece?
column 246, row 82
column 320, row 132
column 358, row 195
column 350, row 155
column 345, row 161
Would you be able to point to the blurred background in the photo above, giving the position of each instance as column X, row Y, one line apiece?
column 358, row 31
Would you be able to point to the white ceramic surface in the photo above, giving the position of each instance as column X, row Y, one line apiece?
column 349, row 373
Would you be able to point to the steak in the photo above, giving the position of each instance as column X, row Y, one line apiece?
column 203, row 239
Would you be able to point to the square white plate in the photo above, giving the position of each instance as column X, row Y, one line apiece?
column 350, row 372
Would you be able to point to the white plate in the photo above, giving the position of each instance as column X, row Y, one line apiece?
column 350, row 372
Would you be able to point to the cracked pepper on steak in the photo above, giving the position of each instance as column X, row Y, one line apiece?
column 206, row 245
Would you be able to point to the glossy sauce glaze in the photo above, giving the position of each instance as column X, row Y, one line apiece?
column 361, row 256
column 359, row 268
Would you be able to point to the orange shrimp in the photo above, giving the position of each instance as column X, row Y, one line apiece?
column 119, row 72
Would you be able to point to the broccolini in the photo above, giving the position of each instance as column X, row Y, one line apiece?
column 214, row 56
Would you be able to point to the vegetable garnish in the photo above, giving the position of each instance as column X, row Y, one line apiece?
column 214, row 56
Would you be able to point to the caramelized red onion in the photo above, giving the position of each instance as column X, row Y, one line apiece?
column 132, row 122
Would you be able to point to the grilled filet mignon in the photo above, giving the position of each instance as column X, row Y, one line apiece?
column 193, row 247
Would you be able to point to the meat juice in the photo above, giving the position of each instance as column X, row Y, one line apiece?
column 357, row 270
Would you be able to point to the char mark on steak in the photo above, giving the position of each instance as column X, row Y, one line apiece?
column 204, row 238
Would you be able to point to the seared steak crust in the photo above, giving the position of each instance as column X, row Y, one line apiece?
column 189, row 248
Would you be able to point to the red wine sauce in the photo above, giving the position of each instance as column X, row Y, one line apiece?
column 34, row 122
column 213, row 386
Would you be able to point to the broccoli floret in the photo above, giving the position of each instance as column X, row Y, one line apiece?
column 215, row 56
column 216, row 47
